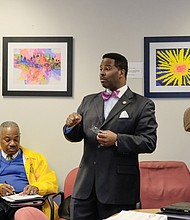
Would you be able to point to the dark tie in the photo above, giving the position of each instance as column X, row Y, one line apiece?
column 106, row 95
column 9, row 157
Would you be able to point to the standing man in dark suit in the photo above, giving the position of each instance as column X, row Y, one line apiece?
column 116, row 126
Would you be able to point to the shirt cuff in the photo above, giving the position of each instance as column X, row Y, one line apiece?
column 68, row 129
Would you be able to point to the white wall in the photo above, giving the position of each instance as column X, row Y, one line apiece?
column 97, row 26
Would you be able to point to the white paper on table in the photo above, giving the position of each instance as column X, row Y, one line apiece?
column 20, row 197
column 133, row 215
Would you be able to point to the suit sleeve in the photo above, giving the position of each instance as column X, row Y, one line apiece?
column 76, row 133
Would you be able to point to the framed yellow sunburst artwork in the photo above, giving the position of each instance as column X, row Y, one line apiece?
column 167, row 67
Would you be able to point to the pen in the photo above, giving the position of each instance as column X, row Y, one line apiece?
column 11, row 186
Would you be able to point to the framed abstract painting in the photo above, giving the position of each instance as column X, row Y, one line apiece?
column 37, row 66
column 167, row 67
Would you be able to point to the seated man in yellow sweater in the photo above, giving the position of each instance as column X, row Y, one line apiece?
column 22, row 170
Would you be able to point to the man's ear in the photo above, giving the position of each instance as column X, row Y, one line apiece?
column 122, row 72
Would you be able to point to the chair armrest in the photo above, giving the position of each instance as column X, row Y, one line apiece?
column 51, row 199
column 64, row 208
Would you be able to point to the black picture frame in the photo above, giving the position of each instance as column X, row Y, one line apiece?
column 167, row 67
column 37, row 66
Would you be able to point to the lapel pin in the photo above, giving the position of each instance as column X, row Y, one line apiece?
column 124, row 102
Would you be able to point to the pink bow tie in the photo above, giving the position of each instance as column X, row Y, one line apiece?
column 106, row 95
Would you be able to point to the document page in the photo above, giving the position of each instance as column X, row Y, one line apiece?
column 20, row 197
column 132, row 215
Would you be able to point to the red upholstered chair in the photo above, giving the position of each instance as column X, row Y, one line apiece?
column 69, row 182
column 68, row 189
column 163, row 183
column 64, row 196
column 29, row 213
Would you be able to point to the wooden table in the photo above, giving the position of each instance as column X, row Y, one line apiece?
column 152, row 211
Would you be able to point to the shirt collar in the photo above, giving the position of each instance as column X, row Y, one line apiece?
column 122, row 90
column 14, row 155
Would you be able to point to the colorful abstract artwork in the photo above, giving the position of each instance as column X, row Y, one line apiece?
column 37, row 66
column 167, row 67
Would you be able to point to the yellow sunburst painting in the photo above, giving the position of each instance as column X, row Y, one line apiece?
column 173, row 67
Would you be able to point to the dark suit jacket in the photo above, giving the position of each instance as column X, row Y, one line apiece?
column 114, row 170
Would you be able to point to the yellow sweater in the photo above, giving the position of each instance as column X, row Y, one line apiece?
column 40, row 175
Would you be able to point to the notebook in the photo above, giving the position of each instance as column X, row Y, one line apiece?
column 177, row 208
column 19, row 197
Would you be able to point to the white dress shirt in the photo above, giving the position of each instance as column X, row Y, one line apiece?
column 109, row 104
